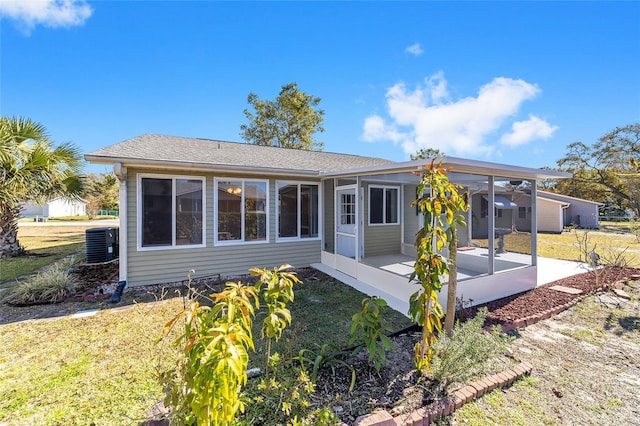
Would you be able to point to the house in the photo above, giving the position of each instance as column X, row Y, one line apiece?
column 57, row 207
column 513, row 210
column 578, row 212
column 220, row 208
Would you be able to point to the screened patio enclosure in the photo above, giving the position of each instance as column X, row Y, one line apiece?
column 370, row 226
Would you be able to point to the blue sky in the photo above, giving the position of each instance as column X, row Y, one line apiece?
column 511, row 82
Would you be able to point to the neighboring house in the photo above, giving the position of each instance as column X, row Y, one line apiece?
column 57, row 207
column 220, row 208
column 579, row 212
column 554, row 211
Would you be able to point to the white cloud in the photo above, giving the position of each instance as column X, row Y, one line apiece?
column 415, row 49
column 50, row 13
column 376, row 129
column 426, row 117
column 526, row 131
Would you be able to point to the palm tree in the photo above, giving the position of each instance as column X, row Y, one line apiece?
column 31, row 168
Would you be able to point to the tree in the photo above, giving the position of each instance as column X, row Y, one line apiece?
column 440, row 203
column 102, row 192
column 427, row 153
column 31, row 169
column 605, row 169
column 289, row 122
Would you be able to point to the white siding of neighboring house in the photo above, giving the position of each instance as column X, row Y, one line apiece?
column 550, row 216
column 583, row 213
column 60, row 207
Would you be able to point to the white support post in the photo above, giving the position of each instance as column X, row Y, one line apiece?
column 534, row 224
column 491, row 212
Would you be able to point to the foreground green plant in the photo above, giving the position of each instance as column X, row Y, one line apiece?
column 50, row 286
column 204, row 387
column 466, row 352
column 277, row 293
column 367, row 328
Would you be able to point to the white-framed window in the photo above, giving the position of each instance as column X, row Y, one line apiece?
column 241, row 212
column 297, row 211
column 384, row 205
column 171, row 211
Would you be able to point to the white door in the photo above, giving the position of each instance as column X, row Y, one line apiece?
column 346, row 221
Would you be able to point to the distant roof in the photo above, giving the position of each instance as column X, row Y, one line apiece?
column 566, row 198
column 181, row 152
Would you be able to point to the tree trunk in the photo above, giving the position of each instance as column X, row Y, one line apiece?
column 450, row 316
column 9, row 244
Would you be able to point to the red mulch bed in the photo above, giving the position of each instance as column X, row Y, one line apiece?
column 531, row 303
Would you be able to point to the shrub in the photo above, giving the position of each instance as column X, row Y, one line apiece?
column 50, row 286
column 467, row 352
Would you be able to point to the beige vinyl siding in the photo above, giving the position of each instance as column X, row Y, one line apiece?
column 549, row 216
column 329, row 214
column 146, row 267
column 379, row 239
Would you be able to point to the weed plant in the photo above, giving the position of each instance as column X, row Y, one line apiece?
column 328, row 355
column 285, row 399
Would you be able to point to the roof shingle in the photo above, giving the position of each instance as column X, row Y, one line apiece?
column 181, row 150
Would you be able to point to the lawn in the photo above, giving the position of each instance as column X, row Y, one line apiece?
column 102, row 369
column 611, row 239
column 45, row 245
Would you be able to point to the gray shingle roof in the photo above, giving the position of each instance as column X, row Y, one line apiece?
column 150, row 148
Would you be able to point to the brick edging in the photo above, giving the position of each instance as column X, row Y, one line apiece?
column 532, row 319
column 447, row 405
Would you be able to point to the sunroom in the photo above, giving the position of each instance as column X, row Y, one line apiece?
column 370, row 226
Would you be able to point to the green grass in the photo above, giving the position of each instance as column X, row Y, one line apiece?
column 492, row 410
column 610, row 239
column 97, row 370
column 102, row 369
column 45, row 245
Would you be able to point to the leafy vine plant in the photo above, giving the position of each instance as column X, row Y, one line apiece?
column 439, row 201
